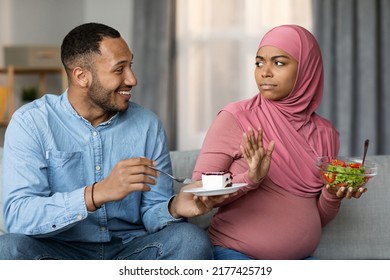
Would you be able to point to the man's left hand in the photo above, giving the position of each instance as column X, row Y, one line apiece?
column 186, row 204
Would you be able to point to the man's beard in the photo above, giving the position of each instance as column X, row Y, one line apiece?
column 102, row 97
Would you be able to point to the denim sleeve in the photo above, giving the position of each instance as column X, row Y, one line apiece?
column 26, row 185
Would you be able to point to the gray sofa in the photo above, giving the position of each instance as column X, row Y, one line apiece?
column 360, row 231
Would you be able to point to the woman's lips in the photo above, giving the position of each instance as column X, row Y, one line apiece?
column 267, row 86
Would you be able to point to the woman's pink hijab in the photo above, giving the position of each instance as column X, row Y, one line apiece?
column 300, row 134
column 306, row 96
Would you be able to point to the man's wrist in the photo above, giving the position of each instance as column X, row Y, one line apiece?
column 93, row 197
column 90, row 198
column 172, row 207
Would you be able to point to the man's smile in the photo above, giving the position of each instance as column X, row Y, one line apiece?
column 124, row 92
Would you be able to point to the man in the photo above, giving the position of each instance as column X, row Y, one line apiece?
column 77, row 176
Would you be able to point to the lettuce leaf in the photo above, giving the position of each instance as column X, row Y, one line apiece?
column 345, row 176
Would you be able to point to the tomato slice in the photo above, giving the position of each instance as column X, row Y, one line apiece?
column 355, row 165
column 329, row 177
column 338, row 162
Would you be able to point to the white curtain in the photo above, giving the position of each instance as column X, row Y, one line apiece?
column 355, row 40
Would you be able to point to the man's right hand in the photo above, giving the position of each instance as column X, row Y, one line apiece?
column 129, row 175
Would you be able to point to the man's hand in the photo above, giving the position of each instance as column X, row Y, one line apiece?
column 129, row 175
column 188, row 205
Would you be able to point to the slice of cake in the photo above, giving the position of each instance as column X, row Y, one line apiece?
column 217, row 180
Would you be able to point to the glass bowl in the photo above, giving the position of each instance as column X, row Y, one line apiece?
column 345, row 172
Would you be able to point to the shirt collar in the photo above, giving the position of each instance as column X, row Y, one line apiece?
column 69, row 108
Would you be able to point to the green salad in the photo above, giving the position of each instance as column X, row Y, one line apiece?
column 342, row 174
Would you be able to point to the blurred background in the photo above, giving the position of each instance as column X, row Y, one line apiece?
column 192, row 57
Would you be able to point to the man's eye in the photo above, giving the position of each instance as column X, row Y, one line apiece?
column 119, row 70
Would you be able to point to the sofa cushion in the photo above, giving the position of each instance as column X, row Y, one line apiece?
column 183, row 164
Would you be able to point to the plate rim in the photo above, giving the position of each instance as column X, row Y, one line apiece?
column 204, row 192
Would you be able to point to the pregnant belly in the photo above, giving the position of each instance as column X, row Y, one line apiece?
column 269, row 223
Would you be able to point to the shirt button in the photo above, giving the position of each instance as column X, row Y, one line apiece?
column 97, row 167
column 103, row 228
column 79, row 217
column 94, row 133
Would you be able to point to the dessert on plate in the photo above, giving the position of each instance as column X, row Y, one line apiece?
column 217, row 180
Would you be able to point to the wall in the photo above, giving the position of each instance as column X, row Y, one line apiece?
column 37, row 22
column 118, row 16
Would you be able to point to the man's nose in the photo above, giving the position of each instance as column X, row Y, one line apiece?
column 130, row 78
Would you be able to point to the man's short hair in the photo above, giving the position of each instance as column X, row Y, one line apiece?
column 82, row 42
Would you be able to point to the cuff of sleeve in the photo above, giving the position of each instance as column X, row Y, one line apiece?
column 75, row 204
column 75, row 212
column 330, row 197
column 165, row 216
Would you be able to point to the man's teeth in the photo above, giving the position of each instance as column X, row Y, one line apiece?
column 124, row 92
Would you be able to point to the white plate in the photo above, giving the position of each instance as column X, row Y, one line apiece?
column 208, row 192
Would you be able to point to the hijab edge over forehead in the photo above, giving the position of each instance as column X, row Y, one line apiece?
column 282, row 38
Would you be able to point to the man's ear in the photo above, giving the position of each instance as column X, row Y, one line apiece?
column 82, row 77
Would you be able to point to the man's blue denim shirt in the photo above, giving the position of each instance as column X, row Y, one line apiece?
column 51, row 154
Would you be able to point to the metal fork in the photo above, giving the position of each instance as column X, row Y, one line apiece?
column 180, row 180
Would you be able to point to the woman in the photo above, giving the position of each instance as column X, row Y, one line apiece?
column 280, row 213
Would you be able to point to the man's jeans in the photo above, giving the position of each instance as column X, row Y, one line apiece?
column 178, row 241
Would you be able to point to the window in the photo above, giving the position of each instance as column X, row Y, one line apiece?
column 216, row 43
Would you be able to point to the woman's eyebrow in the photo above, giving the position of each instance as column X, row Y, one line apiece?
column 273, row 57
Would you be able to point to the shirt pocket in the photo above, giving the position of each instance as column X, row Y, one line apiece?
column 65, row 170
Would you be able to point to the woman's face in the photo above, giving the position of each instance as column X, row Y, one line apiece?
column 275, row 72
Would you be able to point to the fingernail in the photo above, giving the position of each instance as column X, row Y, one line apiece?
column 342, row 189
